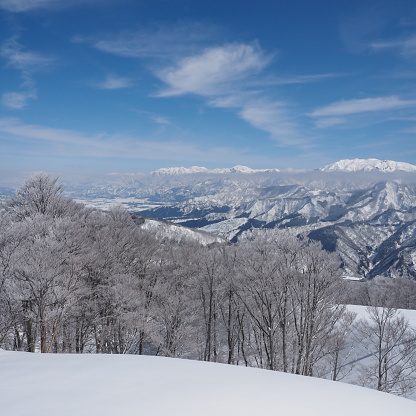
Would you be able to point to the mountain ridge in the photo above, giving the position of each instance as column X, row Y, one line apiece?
column 366, row 165
column 200, row 169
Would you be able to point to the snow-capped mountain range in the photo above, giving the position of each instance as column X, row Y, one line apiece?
column 350, row 165
column 199, row 169
column 367, row 165
column 364, row 209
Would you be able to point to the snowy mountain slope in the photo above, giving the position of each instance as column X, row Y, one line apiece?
column 88, row 384
column 354, row 165
column 359, row 224
column 366, row 216
column 166, row 230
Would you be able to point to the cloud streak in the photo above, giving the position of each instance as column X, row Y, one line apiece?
column 158, row 43
column 407, row 47
column 26, row 5
column 338, row 112
column 66, row 143
column 17, row 100
column 17, row 58
column 346, row 107
column 22, row 6
column 26, row 63
column 113, row 82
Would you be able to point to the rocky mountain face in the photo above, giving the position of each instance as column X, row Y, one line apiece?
column 365, row 210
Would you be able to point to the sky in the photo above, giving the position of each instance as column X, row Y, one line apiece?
column 91, row 87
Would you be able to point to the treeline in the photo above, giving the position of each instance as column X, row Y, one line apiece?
column 77, row 280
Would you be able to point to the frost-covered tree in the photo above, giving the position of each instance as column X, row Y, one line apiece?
column 292, row 290
column 40, row 194
column 41, row 262
column 387, row 336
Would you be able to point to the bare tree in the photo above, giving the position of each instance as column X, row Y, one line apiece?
column 292, row 291
column 387, row 336
column 317, row 299
column 339, row 360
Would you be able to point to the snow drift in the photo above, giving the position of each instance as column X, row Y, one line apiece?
column 141, row 385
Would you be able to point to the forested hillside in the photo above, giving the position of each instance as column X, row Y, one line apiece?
column 79, row 280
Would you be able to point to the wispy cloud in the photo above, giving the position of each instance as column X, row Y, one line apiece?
column 161, row 120
column 329, row 122
column 226, row 76
column 231, row 75
column 67, row 143
column 345, row 107
column 113, row 82
column 154, row 43
column 295, row 79
column 406, row 47
column 274, row 118
column 17, row 100
column 209, row 72
column 22, row 6
column 18, row 58
column 25, row 5
column 339, row 111
column 14, row 127
column 26, row 62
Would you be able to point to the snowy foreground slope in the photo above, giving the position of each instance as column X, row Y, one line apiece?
column 35, row 384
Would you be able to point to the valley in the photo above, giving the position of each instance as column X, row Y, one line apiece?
column 365, row 210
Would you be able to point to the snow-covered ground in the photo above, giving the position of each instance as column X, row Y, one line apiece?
column 361, row 312
column 69, row 385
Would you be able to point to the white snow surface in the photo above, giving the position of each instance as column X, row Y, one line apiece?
column 367, row 165
column 87, row 384
column 200, row 169
column 361, row 311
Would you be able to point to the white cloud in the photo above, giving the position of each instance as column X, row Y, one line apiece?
column 21, row 6
column 273, row 118
column 13, row 52
column 26, row 63
column 355, row 106
column 17, row 100
column 295, row 79
column 113, row 82
column 24, row 5
column 209, row 72
column 407, row 47
column 160, row 43
column 229, row 76
column 68, row 143
column 161, row 120
column 329, row 122
column 14, row 127
column 224, row 76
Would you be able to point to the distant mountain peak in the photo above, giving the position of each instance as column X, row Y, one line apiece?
column 179, row 170
column 369, row 165
column 199, row 169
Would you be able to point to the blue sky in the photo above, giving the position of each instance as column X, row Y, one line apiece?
column 100, row 86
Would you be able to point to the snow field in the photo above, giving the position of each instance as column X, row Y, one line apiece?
column 40, row 384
